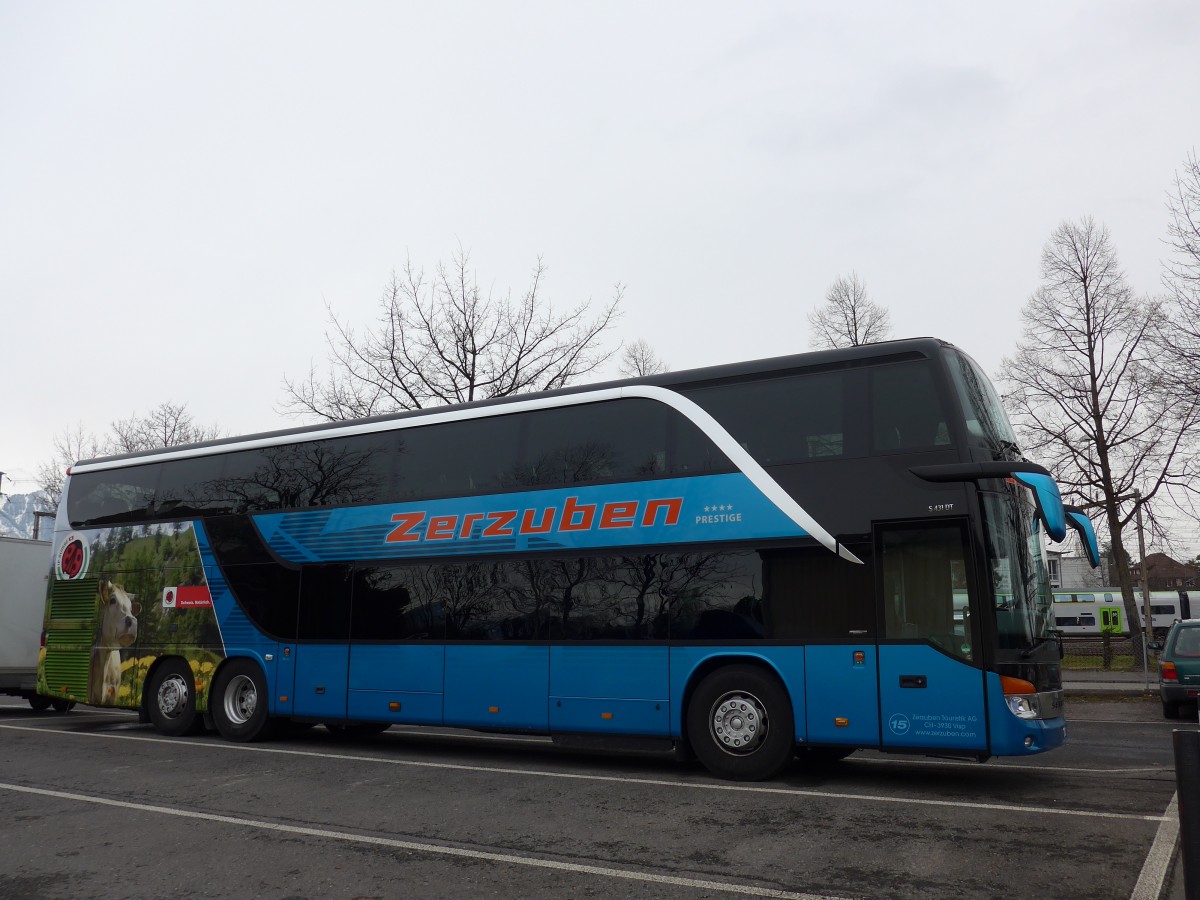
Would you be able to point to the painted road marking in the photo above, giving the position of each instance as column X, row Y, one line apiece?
column 1158, row 861
column 417, row 847
column 721, row 787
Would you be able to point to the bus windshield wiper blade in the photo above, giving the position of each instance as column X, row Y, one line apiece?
column 1030, row 650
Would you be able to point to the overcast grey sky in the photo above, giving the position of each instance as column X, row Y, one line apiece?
column 183, row 189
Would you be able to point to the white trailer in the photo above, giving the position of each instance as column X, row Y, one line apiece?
column 24, row 571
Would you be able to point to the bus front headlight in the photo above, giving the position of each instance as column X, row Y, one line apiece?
column 1023, row 706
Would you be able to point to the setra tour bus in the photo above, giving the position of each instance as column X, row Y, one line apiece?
column 797, row 556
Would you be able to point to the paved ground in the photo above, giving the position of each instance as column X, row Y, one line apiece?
column 104, row 807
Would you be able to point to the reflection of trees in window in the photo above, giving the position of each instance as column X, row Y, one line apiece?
column 714, row 596
column 466, row 593
column 319, row 473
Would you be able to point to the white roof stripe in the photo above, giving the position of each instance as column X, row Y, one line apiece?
column 690, row 409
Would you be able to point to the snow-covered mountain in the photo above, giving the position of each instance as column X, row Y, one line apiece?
column 16, row 516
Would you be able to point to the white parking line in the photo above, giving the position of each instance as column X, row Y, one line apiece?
column 723, row 787
column 509, row 858
column 1158, row 860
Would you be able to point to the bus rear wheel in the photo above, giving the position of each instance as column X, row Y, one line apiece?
column 238, row 702
column 171, row 699
column 740, row 724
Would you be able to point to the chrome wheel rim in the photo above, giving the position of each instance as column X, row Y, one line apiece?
column 241, row 699
column 173, row 696
column 738, row 723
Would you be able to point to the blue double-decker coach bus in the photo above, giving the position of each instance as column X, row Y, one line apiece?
column 797, row 556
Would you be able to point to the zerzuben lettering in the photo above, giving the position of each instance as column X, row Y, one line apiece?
column 570, row 516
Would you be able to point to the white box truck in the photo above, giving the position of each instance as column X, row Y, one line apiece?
column 24, row 570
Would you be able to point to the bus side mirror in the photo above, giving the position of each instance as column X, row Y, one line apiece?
column 1079, row 521
column 1048, row 500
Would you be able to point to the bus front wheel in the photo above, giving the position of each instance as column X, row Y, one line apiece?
column 171, row 702
column 740, row 724
column 239, row 702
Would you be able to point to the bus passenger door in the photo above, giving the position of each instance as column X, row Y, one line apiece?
column 322, row 649
column 931, row 692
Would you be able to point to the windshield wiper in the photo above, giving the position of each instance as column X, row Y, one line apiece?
column 1030, row 650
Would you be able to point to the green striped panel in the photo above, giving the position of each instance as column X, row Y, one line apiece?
column 74, row 599
column 68, row 655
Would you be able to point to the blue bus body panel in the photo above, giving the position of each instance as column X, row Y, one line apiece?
column 320, row 689
column 617, row 690
column 513, row 680
column 1009, row 732
column 838, row 686
column 408, row 674
column 239, row 636
column 947, row 712
column 667, row 511
column 786, row 662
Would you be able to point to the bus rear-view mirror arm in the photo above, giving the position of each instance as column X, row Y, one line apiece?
column 1041, row 483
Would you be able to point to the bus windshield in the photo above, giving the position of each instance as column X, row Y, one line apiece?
column 1020, row 584
column 987, row 423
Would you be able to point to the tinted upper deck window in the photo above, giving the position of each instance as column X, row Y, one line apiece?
column 906, row 410
column 784, row 420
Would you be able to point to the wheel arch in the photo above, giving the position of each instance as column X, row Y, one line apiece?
column 719, row 659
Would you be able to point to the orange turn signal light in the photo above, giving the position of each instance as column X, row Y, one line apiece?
column 394, row 706
column 840, row 722
column 1168, row 672
column 1012, row 685
column 606, row 715
column 493, row 709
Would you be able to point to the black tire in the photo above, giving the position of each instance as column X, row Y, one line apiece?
column 823, row 756
column 740, row 724
column 239, row 702
column 171, row 699
column 1170, row 709
column 39, row 704
column 62, row 706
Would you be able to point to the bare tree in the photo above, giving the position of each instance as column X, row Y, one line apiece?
column 848, row 317
column 166, row 425
column 1083, row 391
column 639, row 358
column 444, row 340
column 1180, row 334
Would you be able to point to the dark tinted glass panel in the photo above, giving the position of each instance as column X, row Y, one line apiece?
column 194, row 486
column 268, row 594
column 327, row 473
column 488, row 601
column 390, row 604
column 457, row 458
column 906, row 413
column 614, row 441
column 235, row 541
column 121, row 495
column 324, row 603
column 244, row 483
column 784, row 420
column 987, row 423
column 715, row 596
column 813, row 595
column 925, row 588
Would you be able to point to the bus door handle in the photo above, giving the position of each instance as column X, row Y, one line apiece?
column 913, row 681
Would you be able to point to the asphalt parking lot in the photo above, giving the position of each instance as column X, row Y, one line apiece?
column 96, row 804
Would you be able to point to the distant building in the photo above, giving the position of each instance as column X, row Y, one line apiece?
column 1068, row 572
column 1166, row 574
